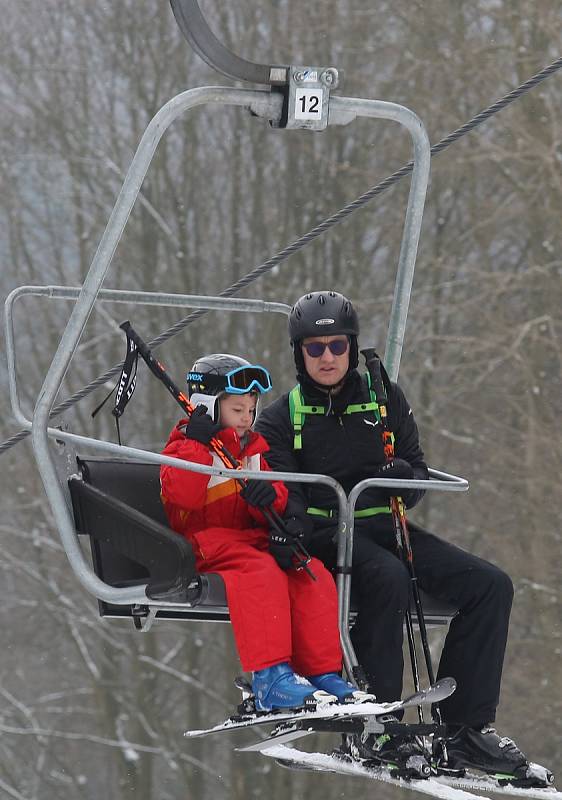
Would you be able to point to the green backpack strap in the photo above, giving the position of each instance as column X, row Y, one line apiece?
column 372, row 406
column 298, row 411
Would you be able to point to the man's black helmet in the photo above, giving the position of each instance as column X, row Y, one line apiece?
column 322, row 314
column 213, row 364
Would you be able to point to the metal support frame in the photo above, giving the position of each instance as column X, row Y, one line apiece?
column 264, row 104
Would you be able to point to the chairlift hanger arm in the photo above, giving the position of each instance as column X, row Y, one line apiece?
column 194, row 27
column 305, row 89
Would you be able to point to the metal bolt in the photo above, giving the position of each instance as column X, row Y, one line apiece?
column 329, row 77
column 298, row 76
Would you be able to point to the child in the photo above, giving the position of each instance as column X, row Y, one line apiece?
column 285, row 623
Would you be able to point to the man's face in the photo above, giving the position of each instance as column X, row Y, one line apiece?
column 328, row 368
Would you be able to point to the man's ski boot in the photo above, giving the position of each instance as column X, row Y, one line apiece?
column 333, row 683
column 402, row 755
column 484, row 750
column 278, row 687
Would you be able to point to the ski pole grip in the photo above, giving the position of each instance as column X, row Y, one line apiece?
column 373, row 364
column 369, row 353
column 155, row 366
column 152, row 363
column 134, row 337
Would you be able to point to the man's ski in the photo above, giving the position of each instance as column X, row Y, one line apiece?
column 336, row 711
column 500, row 784
column 320, row 762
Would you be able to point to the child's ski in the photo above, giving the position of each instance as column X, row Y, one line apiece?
column 336, row 711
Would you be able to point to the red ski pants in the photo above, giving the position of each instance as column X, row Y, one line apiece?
column 276, row 616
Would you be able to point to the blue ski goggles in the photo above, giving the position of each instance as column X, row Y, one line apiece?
column 238, row 381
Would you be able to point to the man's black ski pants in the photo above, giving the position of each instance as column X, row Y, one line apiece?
column 474, row 648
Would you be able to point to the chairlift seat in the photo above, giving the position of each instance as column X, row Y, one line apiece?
column 117, row 504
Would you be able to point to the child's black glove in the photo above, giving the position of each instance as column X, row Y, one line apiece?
column 200, row 426
column 258, row 493
column 281, row 548
column 281, row 542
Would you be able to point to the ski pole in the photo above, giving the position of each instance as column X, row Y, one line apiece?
column 403, row 543
column 157, row 369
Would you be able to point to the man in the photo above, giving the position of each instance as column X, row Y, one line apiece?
column 328, row 424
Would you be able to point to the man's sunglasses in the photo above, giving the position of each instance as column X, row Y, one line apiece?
column 238, row 381
column 337, row 347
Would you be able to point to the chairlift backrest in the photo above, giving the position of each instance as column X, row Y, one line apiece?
column 117, row 504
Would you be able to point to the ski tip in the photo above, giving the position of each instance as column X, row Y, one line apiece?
column 435, row 693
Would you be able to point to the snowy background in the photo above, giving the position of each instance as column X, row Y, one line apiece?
column 93, row 709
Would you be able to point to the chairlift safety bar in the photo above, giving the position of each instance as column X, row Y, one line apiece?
column 116, row 296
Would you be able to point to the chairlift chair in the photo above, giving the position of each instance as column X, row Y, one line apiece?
column 140, row 568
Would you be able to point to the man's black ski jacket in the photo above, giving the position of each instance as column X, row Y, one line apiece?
column 347, row 447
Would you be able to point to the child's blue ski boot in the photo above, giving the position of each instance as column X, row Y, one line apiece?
column 278, row 687
column 333, row 683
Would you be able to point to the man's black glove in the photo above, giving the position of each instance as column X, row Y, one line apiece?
column 201, row 427
column 298, row 528
column 397, row 468
column 258, row 493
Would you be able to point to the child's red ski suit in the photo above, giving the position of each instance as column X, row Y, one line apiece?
column 276, row 616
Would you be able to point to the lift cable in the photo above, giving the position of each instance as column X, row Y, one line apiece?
column 305, row 239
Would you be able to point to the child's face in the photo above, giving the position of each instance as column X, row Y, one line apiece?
column 237, row 411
